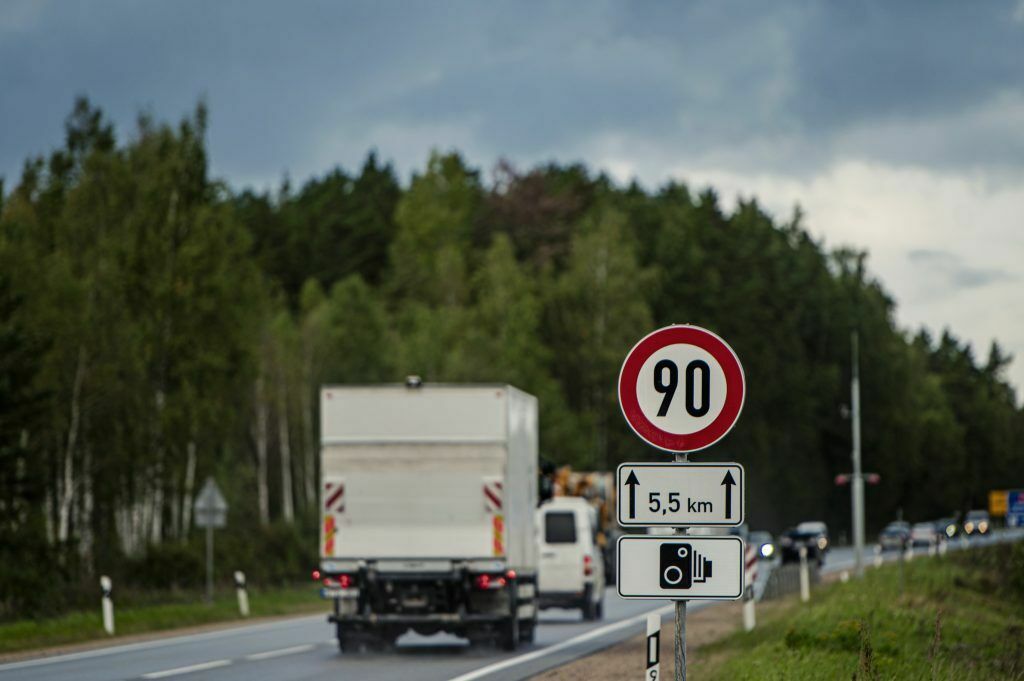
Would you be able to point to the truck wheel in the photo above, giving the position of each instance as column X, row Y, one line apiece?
column 346, row 644
column 528, row 631
column 508, row 638
column 589, row 607
column 599, row 609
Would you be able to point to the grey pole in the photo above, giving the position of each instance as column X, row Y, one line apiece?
column 680, row 638
column 209, row 563
column 857, row 486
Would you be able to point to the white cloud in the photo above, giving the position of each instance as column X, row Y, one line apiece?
column 967, row 225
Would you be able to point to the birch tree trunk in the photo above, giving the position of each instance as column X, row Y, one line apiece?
column 190, row 481
column 287, row 503
column 259, row 435
column 308, row 446
column 66, row 488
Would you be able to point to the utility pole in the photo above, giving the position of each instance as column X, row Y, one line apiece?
column 857, row 486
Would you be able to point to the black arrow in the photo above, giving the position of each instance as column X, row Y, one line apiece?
column 632, row 482
column 728, row 482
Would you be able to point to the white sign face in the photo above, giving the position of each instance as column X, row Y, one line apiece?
column 680, row 567
column 680, row 494
column 681, row 388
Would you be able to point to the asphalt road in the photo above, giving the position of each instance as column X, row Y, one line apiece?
column 304, row 648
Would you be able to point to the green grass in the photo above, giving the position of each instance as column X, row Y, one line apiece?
column 85, row 626
column 956, row 617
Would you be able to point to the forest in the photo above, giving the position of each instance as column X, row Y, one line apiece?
column 159, row 326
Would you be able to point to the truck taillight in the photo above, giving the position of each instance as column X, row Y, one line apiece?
column 339, row 582
column 588, row 566
column 485, row 582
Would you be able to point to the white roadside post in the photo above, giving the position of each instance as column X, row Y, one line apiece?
column 653, row 667
column 878, row 555
column 805, row 578
column 681, row 389
column 107, row 604
column 210, row 511
column 243, row 596
column 943, row 547
column 931, row 547
column 749, row 618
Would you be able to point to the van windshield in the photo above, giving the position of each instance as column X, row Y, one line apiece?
column 559, row 527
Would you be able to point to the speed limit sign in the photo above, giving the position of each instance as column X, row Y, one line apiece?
column 681, row 388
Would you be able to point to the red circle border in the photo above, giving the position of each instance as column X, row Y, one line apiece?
column 717, row 348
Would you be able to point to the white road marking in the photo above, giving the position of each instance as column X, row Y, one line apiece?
column 187, row 670
column 569, row 643
column 280, row 652
column 160, row 643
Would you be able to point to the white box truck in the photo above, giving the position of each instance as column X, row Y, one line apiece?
column 428, row 496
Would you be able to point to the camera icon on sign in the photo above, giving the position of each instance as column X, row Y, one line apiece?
column 681, row 567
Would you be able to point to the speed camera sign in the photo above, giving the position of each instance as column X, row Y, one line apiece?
column 681, row 388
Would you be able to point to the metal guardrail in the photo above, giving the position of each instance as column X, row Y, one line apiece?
column 784, row 580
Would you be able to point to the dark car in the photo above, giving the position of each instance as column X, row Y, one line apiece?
column 948, row 526
column 764, row 544
column 895, row 535
column 812, row 534
column 977, row 523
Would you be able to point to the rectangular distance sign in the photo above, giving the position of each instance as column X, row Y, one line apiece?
column 680, row 494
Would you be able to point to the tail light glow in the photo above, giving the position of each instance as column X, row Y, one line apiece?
column 588, row 566
column 485, row 582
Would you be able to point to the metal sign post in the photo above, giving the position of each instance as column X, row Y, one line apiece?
column 211, row 510
column 680, row 638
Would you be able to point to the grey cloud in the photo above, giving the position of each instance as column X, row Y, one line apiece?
column 950, row 268
column 787, row 86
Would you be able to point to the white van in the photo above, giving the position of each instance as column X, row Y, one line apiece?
column 571, row 573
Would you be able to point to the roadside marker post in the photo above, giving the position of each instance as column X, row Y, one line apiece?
column 653, row 667
column 107, row 604
column 805, row 577
column 243, row 595
column 681, row 389
column 749, row 617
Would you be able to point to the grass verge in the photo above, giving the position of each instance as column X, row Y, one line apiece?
column 77, row 627
column 956, row 617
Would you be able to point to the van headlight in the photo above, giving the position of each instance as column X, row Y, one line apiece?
column 968, row 527
column 767, row 550
column 822, row 543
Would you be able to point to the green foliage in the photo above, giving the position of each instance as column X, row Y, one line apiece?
column 157, row 328
column 955, row 617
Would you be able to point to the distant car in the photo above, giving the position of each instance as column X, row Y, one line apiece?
column 977, row 523
column 925, row 534
column 948, row 526
column 895, row 535
column 764, row 544
column 813, row 535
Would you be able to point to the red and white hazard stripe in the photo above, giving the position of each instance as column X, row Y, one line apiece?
column 334, row 496
column 750, row 565
column 494, row 495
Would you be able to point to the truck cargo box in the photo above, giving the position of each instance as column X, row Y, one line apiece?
column 435, row 472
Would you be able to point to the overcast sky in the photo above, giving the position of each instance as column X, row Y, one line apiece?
column 898, row 127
